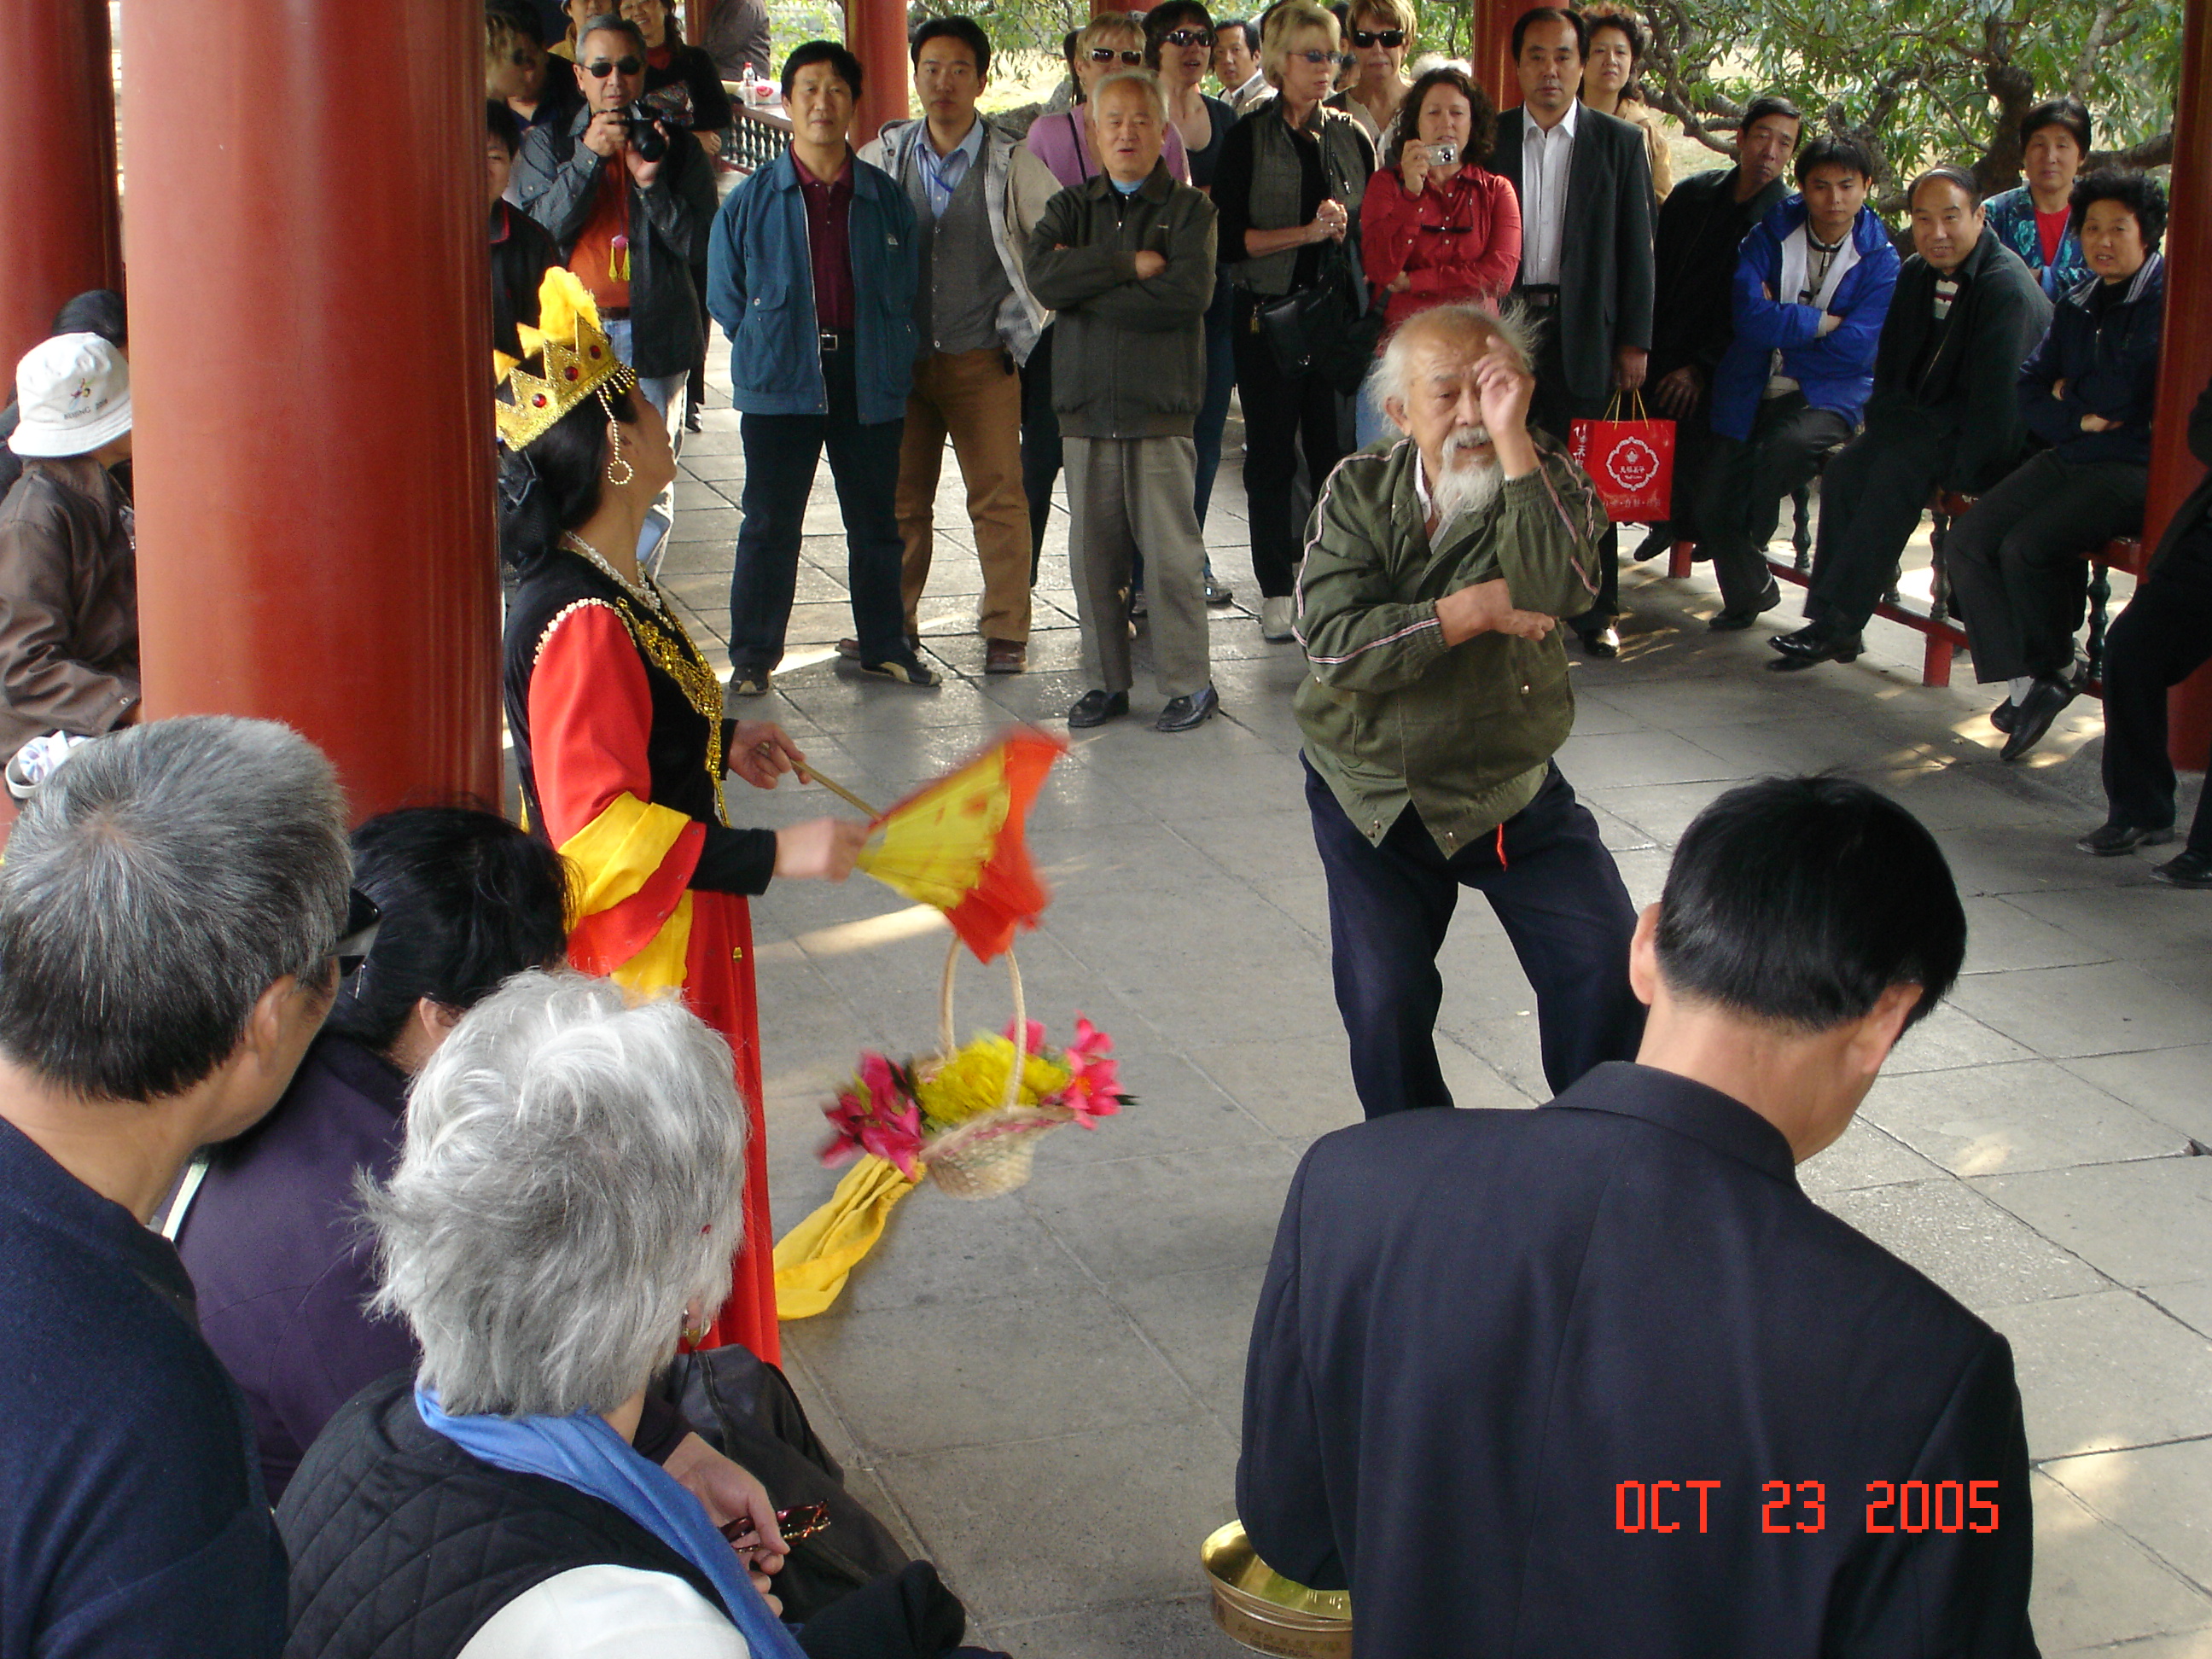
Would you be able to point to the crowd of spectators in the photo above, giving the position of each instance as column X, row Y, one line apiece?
column 460, row 1028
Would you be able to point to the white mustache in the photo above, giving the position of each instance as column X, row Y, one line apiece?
column 1468, row 437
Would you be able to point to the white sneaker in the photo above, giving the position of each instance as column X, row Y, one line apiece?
column 34, row 762
column 1276, row 617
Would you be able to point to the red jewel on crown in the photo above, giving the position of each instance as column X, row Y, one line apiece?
column 595, row 352
column 538, row 401
column 570, row 371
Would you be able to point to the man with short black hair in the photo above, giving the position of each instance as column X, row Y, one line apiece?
column 173, row 913
column 1600, row 1378
column 976, row 191
column 1812, row 289
column 1702, row 224
column 1584, row 181
column 1944, row 413
column 1236, row 65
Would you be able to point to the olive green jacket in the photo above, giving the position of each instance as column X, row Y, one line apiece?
column 1392, row 714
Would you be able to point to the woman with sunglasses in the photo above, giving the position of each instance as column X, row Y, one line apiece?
column 1381, row 40
column 1437, row 227
column 1112, row 40
column 1290, row 179
column 1617, row 43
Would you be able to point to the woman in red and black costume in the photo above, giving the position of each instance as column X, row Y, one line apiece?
column 619, row 731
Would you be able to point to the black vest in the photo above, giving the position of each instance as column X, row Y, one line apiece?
column 403, row 1545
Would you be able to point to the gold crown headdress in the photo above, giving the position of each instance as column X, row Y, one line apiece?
column 574, row 357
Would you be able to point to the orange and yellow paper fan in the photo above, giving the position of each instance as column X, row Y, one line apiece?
column 957, row 844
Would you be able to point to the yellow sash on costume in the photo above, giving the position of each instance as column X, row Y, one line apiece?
column 814, row 1259
column 614, row 856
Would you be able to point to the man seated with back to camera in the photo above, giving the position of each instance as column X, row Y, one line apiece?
column 1429, row 607
column 1944, row 414
column 1599, row 1378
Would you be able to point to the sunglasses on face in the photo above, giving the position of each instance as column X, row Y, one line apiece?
column 1107, row 55
column 1181, row 38
column 1392, row 39
column 605, row 67
column 362, row 920
column 1316, row 57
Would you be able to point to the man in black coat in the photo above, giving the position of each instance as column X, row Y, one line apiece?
column 1944, row 413
column 2162, row 638
column 1599, row 1378
column 1585, row 189
column 1702, row 224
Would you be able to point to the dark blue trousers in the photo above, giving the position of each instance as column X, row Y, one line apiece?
column 782, row 452
column 1555, row 890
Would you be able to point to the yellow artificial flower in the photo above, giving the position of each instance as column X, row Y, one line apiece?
column 973, row 1081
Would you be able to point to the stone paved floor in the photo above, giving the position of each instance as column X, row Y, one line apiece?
column 1042, row 1391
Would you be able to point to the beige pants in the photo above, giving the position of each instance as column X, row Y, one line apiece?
column 1125, row 494
column 975, row 398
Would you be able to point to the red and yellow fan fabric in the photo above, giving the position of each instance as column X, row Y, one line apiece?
column 957, row 844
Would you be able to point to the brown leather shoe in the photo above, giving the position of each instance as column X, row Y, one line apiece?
column 1005, row 656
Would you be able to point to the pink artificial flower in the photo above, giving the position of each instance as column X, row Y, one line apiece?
column 1094, row 1090
column 887, row 1123
column 1035, row 1044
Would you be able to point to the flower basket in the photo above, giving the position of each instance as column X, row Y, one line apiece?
column 969, row 1118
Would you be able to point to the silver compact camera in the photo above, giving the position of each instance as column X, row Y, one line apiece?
column 1442, row 155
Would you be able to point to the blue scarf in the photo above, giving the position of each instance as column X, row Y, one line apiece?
column 584, row 1451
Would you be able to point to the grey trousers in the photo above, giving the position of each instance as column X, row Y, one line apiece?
column 1123, row 495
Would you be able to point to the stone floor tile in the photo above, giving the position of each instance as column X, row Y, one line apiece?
column 1093, row 1518
column 1202, row 1321
column 2143, row 1223
column 2190, row 1303
column 2104, row 1008
column 2156, row 1495
column 2095, row 1584
column 2107, row 1370
column 2140, row 923
column 1147, row 1217
column 1158, row 1629
column 2002, row 936
column 1865, row 1156
column 2031, row 1115
column 1948, row 1039
column 2196, row 1645
column 1175, row 1109
column 1631, row 760
column 1972, row 1248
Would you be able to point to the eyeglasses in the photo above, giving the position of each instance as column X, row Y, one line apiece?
column 1107, row 55
column 1316, row 57
column 1181, row 37
column 796, row 1524
column 362, row 920
column 1392, row 39
column 605, row 67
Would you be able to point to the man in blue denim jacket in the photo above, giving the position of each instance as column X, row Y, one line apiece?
column 812, row 272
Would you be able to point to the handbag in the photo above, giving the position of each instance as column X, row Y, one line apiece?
column 1323, row 329
column 1630, row 460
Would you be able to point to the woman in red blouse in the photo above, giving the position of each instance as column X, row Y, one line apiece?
column 1433, row 230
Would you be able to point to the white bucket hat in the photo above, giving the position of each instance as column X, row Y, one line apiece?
column 73, row 394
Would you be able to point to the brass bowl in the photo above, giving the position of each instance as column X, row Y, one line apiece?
column 1260, row 1609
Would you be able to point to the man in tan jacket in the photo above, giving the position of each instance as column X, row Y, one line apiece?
column 68, row 573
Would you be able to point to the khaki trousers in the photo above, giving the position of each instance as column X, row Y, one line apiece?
column 975, row 398
column 1123, row 495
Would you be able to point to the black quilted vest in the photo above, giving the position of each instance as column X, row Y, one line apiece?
column 403, row 1545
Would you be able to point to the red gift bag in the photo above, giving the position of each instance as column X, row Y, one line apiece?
column 1632, row 462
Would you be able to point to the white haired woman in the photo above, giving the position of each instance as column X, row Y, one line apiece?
column 573, row 1177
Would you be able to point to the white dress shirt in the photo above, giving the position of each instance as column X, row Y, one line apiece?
column 608, row 1612
column 1545, row 158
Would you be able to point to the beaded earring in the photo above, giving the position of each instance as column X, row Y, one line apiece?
column 614, row 442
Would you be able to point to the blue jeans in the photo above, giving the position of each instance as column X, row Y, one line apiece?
column 781, row 452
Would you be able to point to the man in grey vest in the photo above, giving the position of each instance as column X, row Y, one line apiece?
column 977, row 193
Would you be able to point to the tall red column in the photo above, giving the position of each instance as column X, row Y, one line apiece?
column 2185, row 361
column 875, row 30
column 58, row 189
column 1490, row 49
column 311, row 380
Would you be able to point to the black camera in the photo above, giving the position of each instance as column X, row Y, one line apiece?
column 669, row 107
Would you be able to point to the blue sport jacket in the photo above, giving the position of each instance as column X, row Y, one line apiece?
column 1836, row 371
column 760, row 287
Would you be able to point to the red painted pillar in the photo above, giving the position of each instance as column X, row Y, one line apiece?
column 1489, row 49
column 311, row 372
column 58, row 189
column 2185, row 363
column 875, row 30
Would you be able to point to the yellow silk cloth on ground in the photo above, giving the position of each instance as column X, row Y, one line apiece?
column 615, row 856
column 815, row 1258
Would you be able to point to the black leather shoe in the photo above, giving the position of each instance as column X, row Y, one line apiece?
column 1096, row 707
column 2046, row 701
column 1730, row 622
column 1659, row 538
column 2004, row 714
column 1812, row 645
column 1188, row 714
column 2192, row 870
column 1601, row 642
column 2113, row 839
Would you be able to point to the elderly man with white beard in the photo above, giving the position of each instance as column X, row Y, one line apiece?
column 1429, row 607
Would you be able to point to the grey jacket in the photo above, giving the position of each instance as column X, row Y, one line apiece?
column 558, row 180
column 1128, row 356
column 1018, row 187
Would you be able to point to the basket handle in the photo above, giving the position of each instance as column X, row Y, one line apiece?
column 946, row 1045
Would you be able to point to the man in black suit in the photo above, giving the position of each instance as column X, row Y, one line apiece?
column 1585, row 190
column 1599, row 1378
column 1702, row 224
